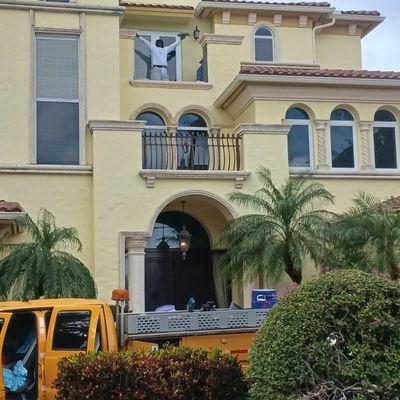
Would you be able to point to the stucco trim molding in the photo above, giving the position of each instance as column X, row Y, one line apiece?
column 151, row 175
column 213, row 38
column 241, row 81
column 60, row 7
column 198, row 85
column 117, row 126
column 46, row 169
column 341, row 175
column 127, row 33
column 262, row 129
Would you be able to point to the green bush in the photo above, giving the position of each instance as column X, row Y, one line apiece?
column 334, row 338
column 173, row 373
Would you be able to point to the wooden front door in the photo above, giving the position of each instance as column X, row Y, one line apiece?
column 172, row 280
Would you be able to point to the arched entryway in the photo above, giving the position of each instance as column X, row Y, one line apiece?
column 171, row 277
column 156, row 272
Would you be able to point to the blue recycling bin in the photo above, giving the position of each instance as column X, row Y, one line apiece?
column 263, row 298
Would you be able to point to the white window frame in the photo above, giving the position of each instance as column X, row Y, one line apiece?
column 154, row 36
column 272, row 38
column 386, row 124
column 68, row 34
column 308, row 123
column 351, row 124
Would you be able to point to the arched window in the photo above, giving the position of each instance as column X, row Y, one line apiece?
column 299, row 139
column 385, row 140
column 151, row 119
column 192, row 143
column 155, row 141
column 342, row 139
column 264, row 44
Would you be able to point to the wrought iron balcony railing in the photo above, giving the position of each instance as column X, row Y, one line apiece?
column 191, row 150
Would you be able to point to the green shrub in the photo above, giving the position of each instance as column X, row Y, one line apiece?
column 334, row 338
column 173, row 373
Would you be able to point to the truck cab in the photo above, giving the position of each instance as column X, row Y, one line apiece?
column 36, row 334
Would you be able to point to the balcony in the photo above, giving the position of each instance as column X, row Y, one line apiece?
column 192, row 154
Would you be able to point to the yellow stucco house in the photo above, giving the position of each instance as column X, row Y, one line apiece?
column 129, row 161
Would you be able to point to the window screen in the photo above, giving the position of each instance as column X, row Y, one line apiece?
column 342, row 147
column 57, row 99
column 142, row 59
column 385, row 147
column 264, row 46
column 71, row 330
column 299, row 147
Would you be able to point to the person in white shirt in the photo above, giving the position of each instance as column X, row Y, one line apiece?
column 159, row 56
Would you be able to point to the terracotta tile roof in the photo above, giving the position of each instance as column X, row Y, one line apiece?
column 9, row 206
column 330, row 73
column 302, row 3
column 362, row 12
column 169, row 6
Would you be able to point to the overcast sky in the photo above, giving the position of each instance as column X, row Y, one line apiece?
column 381, row 47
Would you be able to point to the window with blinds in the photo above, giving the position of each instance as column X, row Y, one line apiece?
column 57, row 99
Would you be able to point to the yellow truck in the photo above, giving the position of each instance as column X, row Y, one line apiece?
column 35, row 335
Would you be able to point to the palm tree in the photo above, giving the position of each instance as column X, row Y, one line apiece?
column 368, row 235
column 42, row 267
column 286, row 230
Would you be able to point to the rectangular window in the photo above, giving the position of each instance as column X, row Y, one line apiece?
column 299, row 147
column 71, row 330
column 385, row 147
column 57, row 99
column 143, row 62
column 342, row 146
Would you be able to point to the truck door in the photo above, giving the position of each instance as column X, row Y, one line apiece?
column 4, row 320
column 72, row 330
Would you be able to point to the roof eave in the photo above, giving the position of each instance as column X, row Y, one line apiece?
column 252, row 7
column 371, row 21
column 242, row 80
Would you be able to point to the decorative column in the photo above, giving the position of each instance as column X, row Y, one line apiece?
column 366, row 163
column 136, row 245
column 322, row 151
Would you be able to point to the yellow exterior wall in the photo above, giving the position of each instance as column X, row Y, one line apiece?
column 68, row 197
column 15, row 101
column 114, row 198
column 338, row 51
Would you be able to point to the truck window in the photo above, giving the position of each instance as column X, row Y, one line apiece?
column 19, row 353
column 1, row 323
column 71, row 330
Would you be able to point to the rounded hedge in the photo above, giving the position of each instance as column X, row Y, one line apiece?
column 336, row 337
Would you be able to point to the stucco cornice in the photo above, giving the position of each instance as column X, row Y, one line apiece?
column 204, row 8
column 212, row 38
column 118, row 126
column 59, row 7
column 243, row 81
column 263, row 129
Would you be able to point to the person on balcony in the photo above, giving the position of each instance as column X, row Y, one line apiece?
column 159, row 56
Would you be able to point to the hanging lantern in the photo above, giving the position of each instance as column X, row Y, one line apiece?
column 184, row 238
column 196, row 33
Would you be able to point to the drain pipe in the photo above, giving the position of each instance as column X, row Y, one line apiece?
column 314, row 34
